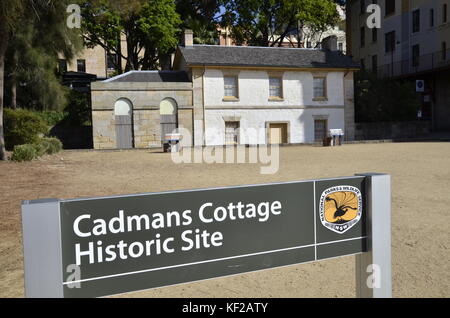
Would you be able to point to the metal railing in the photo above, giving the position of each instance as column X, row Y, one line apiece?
column 422, row 63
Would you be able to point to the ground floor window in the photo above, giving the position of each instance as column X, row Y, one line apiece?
column 232, row 132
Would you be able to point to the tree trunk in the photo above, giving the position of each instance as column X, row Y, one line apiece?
column 3, row 44
column 14, row 82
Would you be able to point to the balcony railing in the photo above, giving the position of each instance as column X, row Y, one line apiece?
column 423, row 63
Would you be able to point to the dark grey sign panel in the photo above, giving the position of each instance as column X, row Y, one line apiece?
column 128, row 243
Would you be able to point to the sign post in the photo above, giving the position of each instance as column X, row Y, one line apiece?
column 373, row 268
column 110, row 245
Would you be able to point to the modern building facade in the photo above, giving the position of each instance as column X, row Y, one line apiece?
column 228, row 95
column 413, row 43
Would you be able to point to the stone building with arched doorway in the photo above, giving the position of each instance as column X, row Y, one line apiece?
column 137, row 109
column 229, row 96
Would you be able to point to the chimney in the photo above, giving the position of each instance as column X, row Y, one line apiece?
column 188, row 38
column 330, row 43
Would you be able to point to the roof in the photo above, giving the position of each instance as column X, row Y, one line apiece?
column 251, row 56
column 151, row 76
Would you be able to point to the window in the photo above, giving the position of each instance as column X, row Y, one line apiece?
column 232, row 132
column 62, row 65
column 390, row 42
column 230, row 86
column 320, row 88
column 275, row 88
column 444, row 51
column 308, row 45
column 374, row 64
column 415, row 55
column 363, row 36
column 390, row 7
column 444, row 13
column 416, row 21
column 431, row 17
column 81, row 66
column 111, row 61
column 363, row 64
column 341, row 46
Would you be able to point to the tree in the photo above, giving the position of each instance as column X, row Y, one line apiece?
column 201, row 16
column 379, row 100
column 38, row 28
column 9, row 12
column 268, row 22
column 149, row 27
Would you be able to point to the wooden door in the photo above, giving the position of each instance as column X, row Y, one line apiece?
column 278, row 133
column 320, row 130
column 124, row 131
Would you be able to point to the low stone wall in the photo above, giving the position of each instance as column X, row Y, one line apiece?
column 392, row 130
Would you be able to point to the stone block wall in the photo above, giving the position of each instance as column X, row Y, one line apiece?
column 104, row 134
column 145, row 99
column 147, row 128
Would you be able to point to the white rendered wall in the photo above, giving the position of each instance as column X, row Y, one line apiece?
column 253, row 122
column 254, row 110
column 254, row 89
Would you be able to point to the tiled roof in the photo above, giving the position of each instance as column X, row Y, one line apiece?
column 214, row 55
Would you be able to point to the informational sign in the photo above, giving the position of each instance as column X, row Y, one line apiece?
column 110, row 245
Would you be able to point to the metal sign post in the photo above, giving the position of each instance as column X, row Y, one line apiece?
column 373, row 268
column 110, row 245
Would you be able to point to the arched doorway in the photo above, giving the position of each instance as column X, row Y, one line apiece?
column 123, row 111
column 168, row 110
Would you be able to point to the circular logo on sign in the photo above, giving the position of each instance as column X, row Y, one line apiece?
column 340, row 208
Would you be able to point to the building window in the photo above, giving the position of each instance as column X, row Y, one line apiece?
column 444, row 51
column 62, row 66
column 308, row 44
column 341, row 46
column 444, row 13
column 390, row 42
column 415, row 55
column 363, row 36
column 232, row 132
column 390, row 7
column 431, row 17
column 111, row 61
column 81, row 66
column 275, row 88
column 416, row 21
column 320, row 87
column 374, row 64
column 230, row 86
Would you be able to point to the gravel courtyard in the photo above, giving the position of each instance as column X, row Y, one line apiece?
column 420, row 216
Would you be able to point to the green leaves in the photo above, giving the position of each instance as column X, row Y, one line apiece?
column 149, row 28
column 267, row 22
column 379, row 100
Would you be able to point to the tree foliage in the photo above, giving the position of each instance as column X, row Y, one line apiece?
column 149, row 29
column 202, row 17
column 268, row 22
column 380, row 100
column 33, row 32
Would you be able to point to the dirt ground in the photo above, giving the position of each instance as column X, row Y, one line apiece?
column 420, row 216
